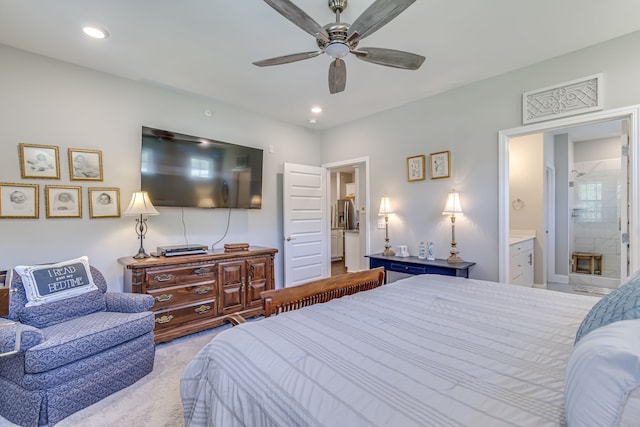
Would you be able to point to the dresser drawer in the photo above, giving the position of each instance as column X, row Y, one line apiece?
column 180, row 295
column 171, row 317
column 162, row 278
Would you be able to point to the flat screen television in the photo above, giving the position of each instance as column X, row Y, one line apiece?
column 189, row 171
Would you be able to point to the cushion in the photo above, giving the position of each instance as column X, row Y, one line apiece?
column 603, row 377
column 85, row 336
column 621, row 304
column 54, row 282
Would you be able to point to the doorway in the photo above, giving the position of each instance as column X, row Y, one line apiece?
column 551, row 240
column 348, row 198
column 307, row 219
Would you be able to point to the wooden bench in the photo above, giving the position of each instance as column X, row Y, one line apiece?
column 278, row 301
column 592, row 260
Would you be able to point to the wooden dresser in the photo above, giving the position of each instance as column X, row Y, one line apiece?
column 197, row 292
column 4, row 294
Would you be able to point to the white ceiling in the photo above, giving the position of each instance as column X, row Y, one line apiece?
column 207, row 46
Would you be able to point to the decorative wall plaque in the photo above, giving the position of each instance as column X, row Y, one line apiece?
column 566, row 99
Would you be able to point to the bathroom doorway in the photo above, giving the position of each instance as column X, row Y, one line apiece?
column 568, row 238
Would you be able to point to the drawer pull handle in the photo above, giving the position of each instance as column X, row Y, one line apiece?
column 163, row 277
column 164, row 297
column 202, row 270
column 203, row 290
column 164, row 319
column 202, row 309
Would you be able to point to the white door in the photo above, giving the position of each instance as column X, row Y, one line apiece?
column 306, row 244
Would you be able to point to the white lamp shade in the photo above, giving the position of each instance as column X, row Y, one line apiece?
column 453, row 205
column 385, row 206
column 140, row 205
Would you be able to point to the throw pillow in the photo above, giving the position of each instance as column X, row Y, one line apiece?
column 603, row 377
column 54, row 282
column 621, row 304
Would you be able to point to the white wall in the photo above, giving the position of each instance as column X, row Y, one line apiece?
column 48, row 102
column 526, row 182
column 466, row 121
column 562, row 152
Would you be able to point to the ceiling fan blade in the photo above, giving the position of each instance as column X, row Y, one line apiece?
column 337, row 76
column 389, row 57
column 378, row 15
column 296, row 15
column 287, row 58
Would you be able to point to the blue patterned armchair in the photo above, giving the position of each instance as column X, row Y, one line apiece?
column 73, row 352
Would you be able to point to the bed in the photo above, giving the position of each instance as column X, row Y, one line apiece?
column 427, row 350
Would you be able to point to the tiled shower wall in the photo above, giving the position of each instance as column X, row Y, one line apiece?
column 595, row 212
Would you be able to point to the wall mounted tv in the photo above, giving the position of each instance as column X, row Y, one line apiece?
column 188, row 171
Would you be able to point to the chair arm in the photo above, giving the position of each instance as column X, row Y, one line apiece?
column 9, row 330
column 125, row 302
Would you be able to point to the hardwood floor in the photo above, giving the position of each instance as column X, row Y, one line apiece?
column 338, row 267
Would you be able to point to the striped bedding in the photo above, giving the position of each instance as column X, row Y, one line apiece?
column 424, row 351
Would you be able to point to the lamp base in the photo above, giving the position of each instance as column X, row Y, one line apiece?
column 454, row 258
column 388, row 252
column 141, row 254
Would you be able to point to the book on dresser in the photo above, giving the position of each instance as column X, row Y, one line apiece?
column 197, row 292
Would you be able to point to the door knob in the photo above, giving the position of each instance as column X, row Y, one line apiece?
column 290, row 238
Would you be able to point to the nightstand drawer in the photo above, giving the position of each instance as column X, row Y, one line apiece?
column 409, row 269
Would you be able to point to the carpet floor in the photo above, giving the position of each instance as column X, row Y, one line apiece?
column 154, row 401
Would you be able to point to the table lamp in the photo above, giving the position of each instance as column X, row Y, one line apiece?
column 141, row 205
column 453, row 207
column 385, row 209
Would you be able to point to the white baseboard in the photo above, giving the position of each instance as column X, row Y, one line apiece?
column 560, row 278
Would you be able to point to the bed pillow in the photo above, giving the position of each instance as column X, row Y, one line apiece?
column 602, row 384
column 621, row 304
column 46, row 283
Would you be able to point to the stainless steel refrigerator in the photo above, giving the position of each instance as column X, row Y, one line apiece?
column 346, row 213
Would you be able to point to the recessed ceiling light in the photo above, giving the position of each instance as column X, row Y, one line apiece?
column 95, row 32
column 316, row 110
column 313, row 121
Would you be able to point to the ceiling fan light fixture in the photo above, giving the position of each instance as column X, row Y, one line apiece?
column 337, row 50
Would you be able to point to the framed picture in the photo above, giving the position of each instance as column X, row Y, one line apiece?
column 18, row 200
column 63, row 201
column 39, row 161
column 440, row 164
column 104, row 202
column 415, row 168
column 85, row 165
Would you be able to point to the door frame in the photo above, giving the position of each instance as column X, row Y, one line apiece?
column 364, row 225
column 549, row 268
column 631, row 113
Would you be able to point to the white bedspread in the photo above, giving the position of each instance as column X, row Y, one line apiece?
column 424, row 351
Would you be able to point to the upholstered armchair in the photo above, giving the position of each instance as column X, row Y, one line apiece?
column 73, row 352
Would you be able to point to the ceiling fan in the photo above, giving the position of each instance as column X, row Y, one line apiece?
column 338, row 39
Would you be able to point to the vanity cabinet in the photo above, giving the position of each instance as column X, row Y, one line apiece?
column 197, row 292
column 521, row 262
column 337, row 243
column 352, row 250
